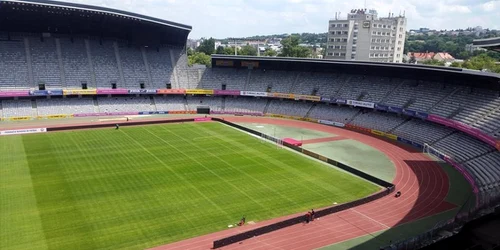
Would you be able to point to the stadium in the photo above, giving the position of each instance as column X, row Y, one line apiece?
column 109, row 140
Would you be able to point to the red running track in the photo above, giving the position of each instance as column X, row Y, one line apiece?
column 422, row 182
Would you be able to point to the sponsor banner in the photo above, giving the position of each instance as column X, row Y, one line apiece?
column 403, row 140
column 224, row 63
column 381, row 107
column 308, row 98
column 112, row 91
column 142, row 91
column 282, row 95
column 409, row 112
column 464, row 128
column 236, row 113
column 202, row 119
column 418, row 145
column 20, row 118
column 153, row 112
column 226, row 92
column 327, row 99
column 331, row 123
column 360, row 104
column 23, row 131
column 177, row 112
column 340, row 101
column 421, row 115
column 105, row 114
column 395, row 110
column 253, row 64
column 358, row 128
column 391, row 136
column 377, row 132
column 79, row 92
column 171, row 91
column 57, row 116
column 51, row 92
column 199, row 91
column 14, row 93
column 254, row 93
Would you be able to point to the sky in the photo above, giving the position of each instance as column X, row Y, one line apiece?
column 241, row 18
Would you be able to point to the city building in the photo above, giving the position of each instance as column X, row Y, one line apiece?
column 363, row 36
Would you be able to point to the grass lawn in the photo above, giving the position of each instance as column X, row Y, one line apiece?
column 140, row 187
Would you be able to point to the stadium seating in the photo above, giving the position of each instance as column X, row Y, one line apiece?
column 245, row 104
column 13, row 66
column 288, row 107
column 70, row 62
column 335, row 113
column 170, row 103
column 59, row 106
column 160, row 67
column 105, row 64
column 17, row 108
column 75, row 62
column 125, row 104
column 195, row 101
column 46, row 67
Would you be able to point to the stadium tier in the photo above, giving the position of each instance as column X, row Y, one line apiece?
column 147, row 73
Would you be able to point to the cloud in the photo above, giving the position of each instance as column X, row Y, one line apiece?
column 236, row 18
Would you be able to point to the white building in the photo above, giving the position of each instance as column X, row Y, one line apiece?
column 365, row 37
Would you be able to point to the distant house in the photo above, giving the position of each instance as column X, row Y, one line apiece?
column 440, row 56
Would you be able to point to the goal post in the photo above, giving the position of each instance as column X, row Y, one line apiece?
column 428, row 149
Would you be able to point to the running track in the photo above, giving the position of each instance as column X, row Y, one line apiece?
column 422, row 182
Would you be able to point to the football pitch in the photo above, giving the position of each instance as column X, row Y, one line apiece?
column 140, row 187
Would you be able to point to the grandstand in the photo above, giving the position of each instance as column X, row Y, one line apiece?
column 39, row 60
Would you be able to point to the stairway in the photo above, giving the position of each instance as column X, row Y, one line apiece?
column 399, row 125
column 223, row 104
column 186, row 107
column 444, row 98
column 292, row 88
column 61, row 64
column 91, row 64
column 27, row 51
column 267, row 105
column 96, row 105
column 310, row 110
column 343, row 85
column 175, row 84
column 119, row 63
column 247, row 82
column 148, row 72
column 442, row 138
column 153, row 103
column 353, row 117
column 34, row 108
column 390, row 92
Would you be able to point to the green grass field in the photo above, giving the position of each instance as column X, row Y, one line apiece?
column 140, row 187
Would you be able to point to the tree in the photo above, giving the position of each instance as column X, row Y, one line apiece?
column 291, row 48
column 207, row 46
column 220, row 50
column 270, row 52
column 433, row 62
column 200, row 58
column 229, row 50
column 456, row 65
column 189, row 51
column 248, row 50
column 412, row 60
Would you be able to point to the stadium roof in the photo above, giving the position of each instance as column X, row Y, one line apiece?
column 78, row 19
column 488, row 43
column 399, row 70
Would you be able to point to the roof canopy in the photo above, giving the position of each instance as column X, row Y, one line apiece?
column 68, row 18
column 488, row 43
